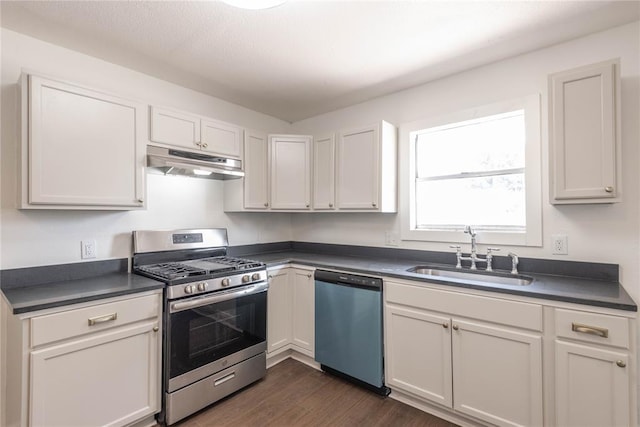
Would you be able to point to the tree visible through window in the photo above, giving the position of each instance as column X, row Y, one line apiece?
column 472, row 173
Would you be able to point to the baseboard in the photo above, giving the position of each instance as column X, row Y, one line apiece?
column 289, row 352
column 443, row 413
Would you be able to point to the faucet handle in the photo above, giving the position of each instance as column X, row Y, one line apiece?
column 458, row 255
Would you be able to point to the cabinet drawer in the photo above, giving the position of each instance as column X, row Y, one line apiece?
column 71, row 323
column 512, row 313
column 592, row 327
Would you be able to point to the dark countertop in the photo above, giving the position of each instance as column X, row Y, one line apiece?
column 609, row 294
column 28, row 290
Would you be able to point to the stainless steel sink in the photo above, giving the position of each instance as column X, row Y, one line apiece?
column 477, row 276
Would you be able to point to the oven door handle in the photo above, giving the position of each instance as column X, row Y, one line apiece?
column 219, row 297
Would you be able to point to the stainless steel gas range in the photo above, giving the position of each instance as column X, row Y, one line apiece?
column 215, row 316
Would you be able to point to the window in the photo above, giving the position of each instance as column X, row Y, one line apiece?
column 478, row 168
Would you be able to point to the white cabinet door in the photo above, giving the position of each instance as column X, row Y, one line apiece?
column 290, row 171
column 303, row 311
column 584, row 134
column 256, row 190
column 279, row 309
column 221, row 138
column 418, row 354
column 497, row 374
column 86, row 150
column 108, row 379
column 592, row 386
column 358, row 168
column 175, row 128
column 324, row 172
column 366, row 169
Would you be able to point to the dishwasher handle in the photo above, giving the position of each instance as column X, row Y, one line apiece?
column 346, row 279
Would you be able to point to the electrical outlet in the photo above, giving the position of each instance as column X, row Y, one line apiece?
column 560, row 244
column 88, row 249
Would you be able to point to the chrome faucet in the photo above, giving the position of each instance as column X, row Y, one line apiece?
column 514, row 263
column 473, row 256
column 468, row 230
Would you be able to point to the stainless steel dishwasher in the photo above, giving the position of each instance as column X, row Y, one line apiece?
column 348, row 328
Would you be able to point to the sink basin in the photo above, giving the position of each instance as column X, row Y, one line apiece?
column 475, row 276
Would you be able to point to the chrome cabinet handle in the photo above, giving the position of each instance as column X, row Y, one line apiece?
column 445, row 325
column 156, row 329
column 266, row 205
column 102, row 319
column 608, row 189
column 591, row 330
column 621, row 363
column 455, row 327
column 307, row 205
column 373, row 204
column 205, row 145
column 330, row 205
column 309, row 276
column 140, row 200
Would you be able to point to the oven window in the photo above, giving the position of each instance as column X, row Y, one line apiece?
column 205, row 334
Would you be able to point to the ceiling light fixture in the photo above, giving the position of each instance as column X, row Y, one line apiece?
column 254, row 4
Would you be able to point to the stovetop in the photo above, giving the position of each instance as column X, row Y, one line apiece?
column 199, row 268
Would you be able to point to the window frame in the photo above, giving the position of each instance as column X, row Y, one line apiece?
column 533, row 177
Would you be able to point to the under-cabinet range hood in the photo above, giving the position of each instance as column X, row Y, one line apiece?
column 169, row 161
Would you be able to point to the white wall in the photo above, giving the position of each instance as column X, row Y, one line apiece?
column 31, row 238
column 605, row 233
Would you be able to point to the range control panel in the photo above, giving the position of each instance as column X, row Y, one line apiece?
column 348, row 279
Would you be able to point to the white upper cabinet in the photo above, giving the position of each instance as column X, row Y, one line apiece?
column 367, row 168
column 290, row 157
column 584, row 137
column 256, row 183
column 324, row 172
column 81, row 149
column 221, row 138
column 194, row 132
column 175, row 128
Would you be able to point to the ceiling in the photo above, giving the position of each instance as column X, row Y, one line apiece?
column 305, row 58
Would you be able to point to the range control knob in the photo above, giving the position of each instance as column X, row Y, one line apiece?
column 202, row 286
column 255, row 276
column 246, row 278
column 225, row 282
column 188, row 289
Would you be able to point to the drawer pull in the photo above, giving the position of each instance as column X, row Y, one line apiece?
column 591, row 330
column 224, row 379
column 621, row 363
column 102, row 319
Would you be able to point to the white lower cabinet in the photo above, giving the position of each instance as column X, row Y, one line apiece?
column 488, row 371
column 290, row 311
column 419, row 353
column 592, row 386
column 594, row 370
column 279, row 309
column 497, row 373
column 479, row 359
column 107, row 379
column 88, row 365
column 303, row 333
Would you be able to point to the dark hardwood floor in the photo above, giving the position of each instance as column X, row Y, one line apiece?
column 293, row 394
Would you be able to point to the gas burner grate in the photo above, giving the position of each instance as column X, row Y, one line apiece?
column 171, row 270
column 238, row 263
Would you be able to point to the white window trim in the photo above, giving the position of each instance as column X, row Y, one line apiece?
column 533, row 176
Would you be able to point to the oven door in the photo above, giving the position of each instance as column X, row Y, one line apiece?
column 206, row 334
